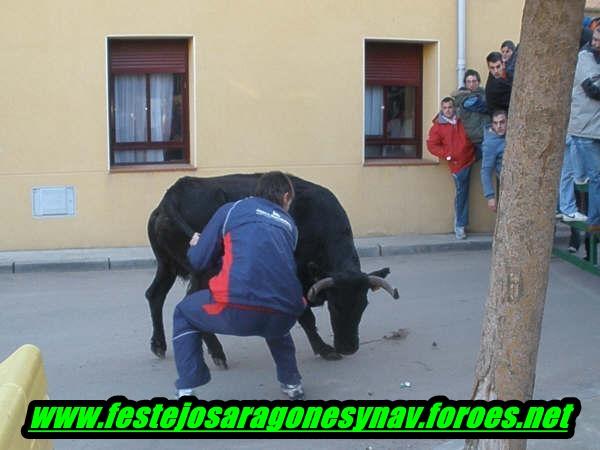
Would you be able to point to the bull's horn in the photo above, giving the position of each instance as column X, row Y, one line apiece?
column 318, row 286
column 378, row 282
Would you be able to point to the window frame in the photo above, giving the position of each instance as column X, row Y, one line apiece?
column 184, row 143
column 417, row 83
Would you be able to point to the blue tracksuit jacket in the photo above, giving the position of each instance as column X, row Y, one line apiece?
column 252, row 241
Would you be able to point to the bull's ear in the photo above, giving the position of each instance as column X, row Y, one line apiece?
column 381, row 272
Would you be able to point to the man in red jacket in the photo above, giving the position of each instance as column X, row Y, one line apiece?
column 448, row 140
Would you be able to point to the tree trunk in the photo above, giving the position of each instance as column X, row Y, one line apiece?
column 540, row 106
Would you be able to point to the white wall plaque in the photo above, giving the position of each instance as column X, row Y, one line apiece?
column 53, row 201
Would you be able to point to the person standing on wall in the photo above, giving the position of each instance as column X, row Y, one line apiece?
column 448, row 140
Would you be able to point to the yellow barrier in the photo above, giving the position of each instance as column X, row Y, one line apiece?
column 22, row 379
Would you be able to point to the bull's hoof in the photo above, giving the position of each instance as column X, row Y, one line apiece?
column 220, row 362
column 328, row 353
column 159, row 350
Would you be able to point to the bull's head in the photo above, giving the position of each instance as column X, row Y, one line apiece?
column 346, row 295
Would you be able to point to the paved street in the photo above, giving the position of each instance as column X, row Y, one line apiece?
column 94, row 327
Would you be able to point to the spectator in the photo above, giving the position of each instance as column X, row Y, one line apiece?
column 509, row 59
column 472, row 109
column 507, row 48
column 497, row 88
column 584, row 123
column 572, row 172
column 586, row 36
column 448, row 140
column 494, row 141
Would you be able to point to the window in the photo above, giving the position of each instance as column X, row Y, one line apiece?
column 393, row 77
column 148, row 101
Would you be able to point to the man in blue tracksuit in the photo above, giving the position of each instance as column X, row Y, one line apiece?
column 256, row 292
column 494, row 141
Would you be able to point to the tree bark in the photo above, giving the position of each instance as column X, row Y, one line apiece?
column 539, row 110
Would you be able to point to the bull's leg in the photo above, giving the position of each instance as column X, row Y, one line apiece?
column 308, row 323
column 215, row 349
column 156, row 294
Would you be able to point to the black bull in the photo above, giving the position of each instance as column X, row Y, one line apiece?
column 327, row 261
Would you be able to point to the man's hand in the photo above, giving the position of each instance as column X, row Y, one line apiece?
column 590, row 88
column 194, row 239
column 492, row 204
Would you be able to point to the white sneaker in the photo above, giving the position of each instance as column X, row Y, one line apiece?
column 459, row 232
column 575, row 217
column 185, row 392
column 293, row 391
column 584, row 181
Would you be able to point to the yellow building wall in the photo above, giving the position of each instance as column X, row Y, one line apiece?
column 274, row 85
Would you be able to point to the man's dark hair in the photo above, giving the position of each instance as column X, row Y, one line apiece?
column 471, row 73
column 509, row 44
column 494, row 57
column 273, row 185
column 448, row 100
column 499, row 112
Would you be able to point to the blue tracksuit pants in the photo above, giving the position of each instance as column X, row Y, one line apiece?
column 190, row 319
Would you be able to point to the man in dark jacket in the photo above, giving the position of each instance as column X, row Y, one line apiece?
column 256, row 292
column 497, row 88
column 448, row 140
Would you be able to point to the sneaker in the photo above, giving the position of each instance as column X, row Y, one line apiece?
column 572, row 250
column 575, row 217
column 584, row 181
column 558, row 215
column 460, row 233
column 185, row 392
column 293, row 391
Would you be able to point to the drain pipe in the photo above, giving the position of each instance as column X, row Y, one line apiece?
column 461, row 27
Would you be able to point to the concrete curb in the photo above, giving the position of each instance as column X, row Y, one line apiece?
column 390, row 250
column 369, row 251
column 131, row 264
column 62, row 264
column 142, row 257
column 76, row 266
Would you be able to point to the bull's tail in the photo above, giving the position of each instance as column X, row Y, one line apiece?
column 166, row 252
column 174, row 214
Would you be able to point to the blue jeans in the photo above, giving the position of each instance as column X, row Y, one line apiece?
column 589, row 153
column 572, row 169
column 461, row 200
column 190, row 319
